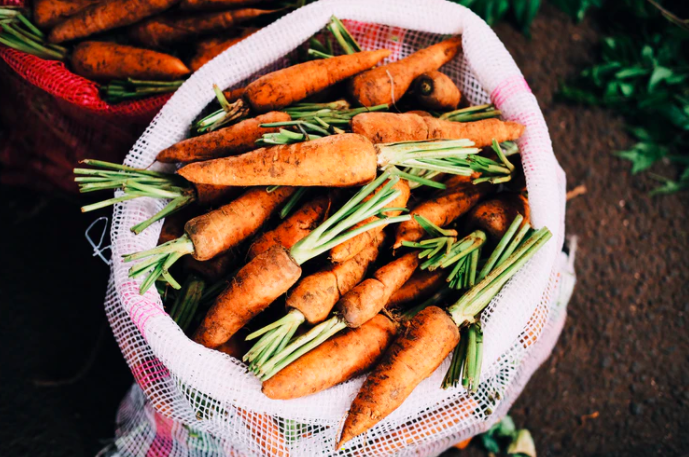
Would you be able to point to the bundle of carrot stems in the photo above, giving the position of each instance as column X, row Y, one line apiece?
column 327, row 222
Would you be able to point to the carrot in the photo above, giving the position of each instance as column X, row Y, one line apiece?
column 442, row 210
column 435, row 90
column 235, row 139
column 101, row 61
column 411, row 358
column 270, row 274
column 208, row 49
column 210, row 5
column 214, row 269
column 107, row 15
column 369, row 297
column 234, row 94
column 261, row 281
column 225, row 227
column 388, row 83
column 294, row 228
column 210, row 195
column 211, row 234
column 393, row 127
column 420, row 286
column 349, row 249
column 419, row 112
column 265, row 432
column 233, row 347
column 335, row 161
column 284, row 87
column 173, row 226
column 48, row 13
column 316, row 295
column 175, row 28
column 495, row 216
column 342, row 357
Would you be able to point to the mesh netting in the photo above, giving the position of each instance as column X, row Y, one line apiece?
column 210, row 394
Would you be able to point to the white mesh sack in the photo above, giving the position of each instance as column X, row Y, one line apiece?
column 216, row 407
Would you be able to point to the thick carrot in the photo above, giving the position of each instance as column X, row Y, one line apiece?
column 211, row 5
column 420, row 286
column 206, row 50
column 260, row 281
column 413, row 356
column 102, row 61
column 173, row 226
column 294, row 228
column 419, row 112
column 349, row 249
column 494, row 216
column 227, row 226
column 107, row 15
column 210, row 195
column 216, row 268
column 284, row 87
column 334, row 161
column 235, row 139
column 388, row 83
column 369, row 297
column 175, row 28
column 442, row 210
column 435, row 90
column 316, row 295
column 342, row 357
column 394, row 127
column 47, row 13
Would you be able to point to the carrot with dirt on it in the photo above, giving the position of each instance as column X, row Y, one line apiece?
column 420, row 286
column 436, row 91
column 107, row 15
column 388, row 83
column 234, row 139
column 140, row 182
column 431, row 336
column 354, row 309
column 272, row 273
column 210, row 234
column 311, row 300
column 48, row 13
column 174, row 28
column 212, row 5
column 103, row 61
column 294, row 228
column 206, row 50
column 396, row 127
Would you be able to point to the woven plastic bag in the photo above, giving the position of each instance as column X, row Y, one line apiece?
column 215, row 406
column 53, row 118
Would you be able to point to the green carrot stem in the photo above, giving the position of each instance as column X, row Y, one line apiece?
column 475, row 375
column 501, row 155
column 504, row 241
column 115, row 166
column 318, row 54
column 292, row 202
column 170, row 280
column 172, row 207
column 515, row 242
column 470, row 363
column 181, row 244
column 417, row 179
column 454, row 374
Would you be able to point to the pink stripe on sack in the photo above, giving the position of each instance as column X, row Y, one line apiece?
column 149, row 372
column 162, row 443
column 507, row 88
column 144, row 306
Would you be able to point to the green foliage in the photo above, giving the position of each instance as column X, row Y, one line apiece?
column 503, row 438
column 492, row 11
column 643, row 74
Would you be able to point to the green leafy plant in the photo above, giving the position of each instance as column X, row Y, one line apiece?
column 523, row 12
column 643, row 74
column 504, row 438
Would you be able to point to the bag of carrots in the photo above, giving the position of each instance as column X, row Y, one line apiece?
column 359, row 251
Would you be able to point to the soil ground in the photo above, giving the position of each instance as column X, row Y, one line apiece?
column 623, row 354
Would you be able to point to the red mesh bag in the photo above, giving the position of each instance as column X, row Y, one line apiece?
column 52, row 118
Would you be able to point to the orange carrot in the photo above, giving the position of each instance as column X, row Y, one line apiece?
column 339, row 359
column 211, row 5
column 393, row 128
column 208, row 49
column 294, row 228
column 175, row 28
column 107, row 15
column 412, row 357
column 284, row 87
column 420, row 286
column 47, row 13
column 260, row 281
column 442, row 210
column 388, row 83
column 494, row 216
column 369, row 297
column 316, row 295
column 349, row 249
column 334, row 161
column 265, row 432
column 101, row 61
column 435, row 90
column 419, row 112
column 234, row 94
column 210, row 195
column 233, row 347
column 214, row 269
column 227, row 226
column 235, row 139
